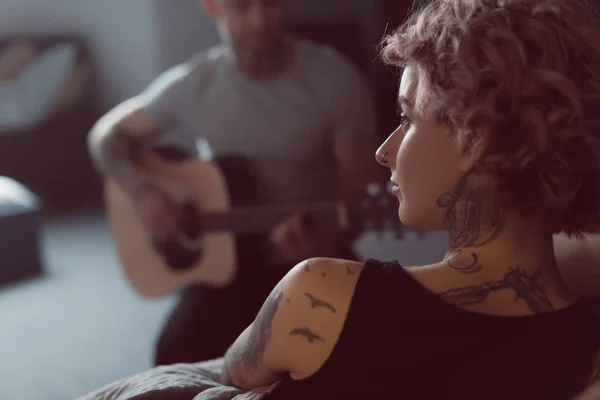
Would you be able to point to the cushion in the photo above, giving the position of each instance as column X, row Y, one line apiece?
column 20, row 221
column 15, row 198
column 15, row 58
column 26, row 100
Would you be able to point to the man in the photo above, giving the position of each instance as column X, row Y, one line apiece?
column 299, row 113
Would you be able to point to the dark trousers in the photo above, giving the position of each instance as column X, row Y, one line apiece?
column 208, row 320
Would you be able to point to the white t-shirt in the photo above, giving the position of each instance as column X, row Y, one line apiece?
column 284, row 127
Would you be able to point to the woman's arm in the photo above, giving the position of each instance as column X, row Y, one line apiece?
column 297, row 327
column 578, row 262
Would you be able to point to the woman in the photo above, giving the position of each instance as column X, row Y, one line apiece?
column 499, row 143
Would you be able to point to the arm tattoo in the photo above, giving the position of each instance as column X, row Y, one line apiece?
column 233, row 372
column 315, row 303
column 525, row 287
column 307, row 265
column 350, row 271
column 308, row 334
column 246, row 357
column 472, row 220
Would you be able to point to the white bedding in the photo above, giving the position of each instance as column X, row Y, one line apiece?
column 178, row 382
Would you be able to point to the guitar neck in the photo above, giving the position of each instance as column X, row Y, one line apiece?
column 325, row 217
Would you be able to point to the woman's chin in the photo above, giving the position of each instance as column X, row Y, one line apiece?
column 409, row 224
column 416, row 221
column 405, row 217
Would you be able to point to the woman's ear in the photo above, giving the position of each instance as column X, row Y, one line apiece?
column 470, row 148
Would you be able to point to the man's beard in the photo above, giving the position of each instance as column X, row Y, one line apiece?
column 260, row 61
column 254, row 56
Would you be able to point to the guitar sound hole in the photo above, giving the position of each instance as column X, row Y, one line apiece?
column 176, row 256
column 190, row 222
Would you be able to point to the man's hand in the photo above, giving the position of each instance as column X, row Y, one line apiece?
column 158, row 211
column 294, row 239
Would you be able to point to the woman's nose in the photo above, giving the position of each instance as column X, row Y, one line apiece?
column 382, row 155
column 386, row 153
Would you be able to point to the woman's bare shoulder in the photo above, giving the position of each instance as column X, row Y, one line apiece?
column 319, row 292
column 333, row 265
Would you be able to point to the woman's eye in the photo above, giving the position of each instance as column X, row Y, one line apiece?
column 404, row 122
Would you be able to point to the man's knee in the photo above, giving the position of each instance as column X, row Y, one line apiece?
column 207, row 322
column 168, row 351
column 194, row 345
column 174, row 349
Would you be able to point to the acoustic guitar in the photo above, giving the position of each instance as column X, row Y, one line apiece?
column 215, row 211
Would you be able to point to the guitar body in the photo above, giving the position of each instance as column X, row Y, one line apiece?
column 145, row 267
column 224, row 220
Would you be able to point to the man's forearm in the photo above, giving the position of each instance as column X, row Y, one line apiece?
column 578, row 262
column 115, row 155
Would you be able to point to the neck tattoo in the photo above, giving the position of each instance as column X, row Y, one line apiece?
column 472, row 221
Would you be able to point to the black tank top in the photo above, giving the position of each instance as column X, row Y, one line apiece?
column 402, row 341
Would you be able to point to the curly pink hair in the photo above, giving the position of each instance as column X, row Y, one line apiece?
column 520, row 82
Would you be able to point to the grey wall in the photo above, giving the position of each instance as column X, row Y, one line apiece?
column 362, row 12
column 135, row 40
column 182, row 29
column 122, row 35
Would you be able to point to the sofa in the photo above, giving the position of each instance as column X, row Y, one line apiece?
column 20, row 222
column 48, row 103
